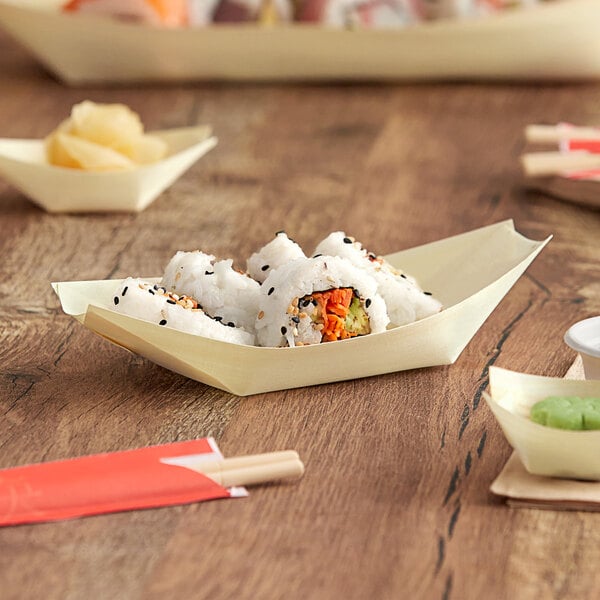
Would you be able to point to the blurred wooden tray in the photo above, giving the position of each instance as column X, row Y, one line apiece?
column 553, row 41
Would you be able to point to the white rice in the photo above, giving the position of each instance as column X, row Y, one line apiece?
column 279, row 251
column 151, row 302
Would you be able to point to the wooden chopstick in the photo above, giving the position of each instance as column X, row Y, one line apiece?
column 543, row 164
column 554, row 134
column 252, row 469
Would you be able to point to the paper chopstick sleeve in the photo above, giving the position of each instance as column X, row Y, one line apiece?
column 104, row 483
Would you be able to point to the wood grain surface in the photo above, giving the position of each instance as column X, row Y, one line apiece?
column 395, row 501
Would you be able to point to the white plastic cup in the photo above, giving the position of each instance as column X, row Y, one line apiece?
column 584, row 337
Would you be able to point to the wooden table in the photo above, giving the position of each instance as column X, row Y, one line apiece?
column 395, row 500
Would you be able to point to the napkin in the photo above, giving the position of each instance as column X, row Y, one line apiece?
column 524, row 490
column 103, row 483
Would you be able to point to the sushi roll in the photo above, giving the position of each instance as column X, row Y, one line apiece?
column 154, row 303
column 161, row 13
column 279, row 251
column 405, row 300
column 224, row 293
column 314, row 300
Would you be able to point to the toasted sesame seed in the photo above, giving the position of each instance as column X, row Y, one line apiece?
column 270, row 291
column 124, row 290
column 163, row 322
column 261, row 314
column 283, row 330
column 264, row 268
column 116, row 300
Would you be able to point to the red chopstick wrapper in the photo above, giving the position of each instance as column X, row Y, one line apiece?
column 592, row 146
column 103, row 483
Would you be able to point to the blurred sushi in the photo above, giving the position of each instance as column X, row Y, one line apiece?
column 265, row 12
column 161, row 13
column 357, row 13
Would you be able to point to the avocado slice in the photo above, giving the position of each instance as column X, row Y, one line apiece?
column 357, row 320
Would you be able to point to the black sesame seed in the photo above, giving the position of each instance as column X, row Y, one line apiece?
column 279, row 232
column 283, row 330
column 230, row 324
column 403, row 275
column 270, row 291
column 368, row 302
column 317, row 255
column 347, row 240
column 218, row 318
column 124, row 290
column 163, row 322
column 151, row 291
column 296, row 319
column 428, row 293
column 169, row 301
column 209, row 272
column 116, row 299
column 156, row 287
column 264, row 268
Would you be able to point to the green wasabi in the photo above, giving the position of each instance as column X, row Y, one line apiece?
column 567, row 412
